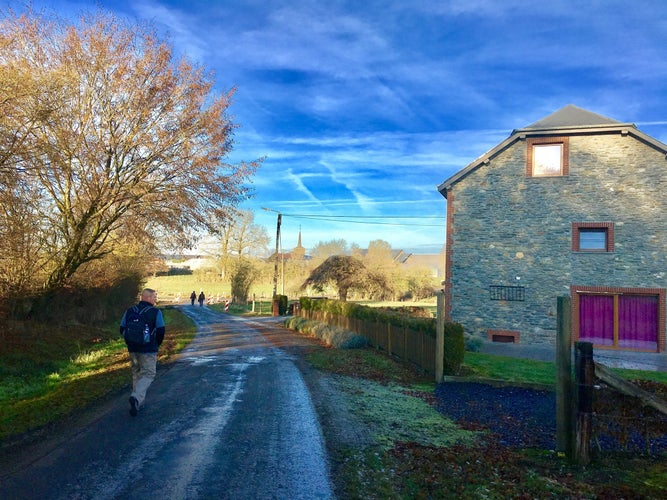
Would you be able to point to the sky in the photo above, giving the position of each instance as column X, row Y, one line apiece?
column 361, row 108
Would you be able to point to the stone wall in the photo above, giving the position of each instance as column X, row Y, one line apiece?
column 512, row 230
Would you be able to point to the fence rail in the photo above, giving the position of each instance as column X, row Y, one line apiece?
column 412, row 346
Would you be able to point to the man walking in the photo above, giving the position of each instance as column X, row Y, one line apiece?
column 142, row 327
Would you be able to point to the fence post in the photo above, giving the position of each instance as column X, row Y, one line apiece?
column 405, row 343
column 389, row 339
column 585, row 372
column 564, row 401
column 440, row 337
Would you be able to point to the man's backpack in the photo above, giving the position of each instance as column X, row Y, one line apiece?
column 137, row 330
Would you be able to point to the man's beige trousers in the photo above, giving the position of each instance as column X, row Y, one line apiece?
column 143, row 365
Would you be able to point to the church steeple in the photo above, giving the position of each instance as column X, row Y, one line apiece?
column 299, row 252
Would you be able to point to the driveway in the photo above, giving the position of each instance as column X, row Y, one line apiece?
column 231, row 418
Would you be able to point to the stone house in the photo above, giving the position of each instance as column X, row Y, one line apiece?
column 572, row 205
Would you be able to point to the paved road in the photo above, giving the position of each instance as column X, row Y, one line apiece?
column 231, row 419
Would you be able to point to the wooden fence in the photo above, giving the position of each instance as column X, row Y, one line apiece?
column 595, row 405
column 411, row 346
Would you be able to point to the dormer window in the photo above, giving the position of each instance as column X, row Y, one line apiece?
column 547, row 157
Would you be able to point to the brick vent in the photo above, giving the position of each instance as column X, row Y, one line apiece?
column 505, row 336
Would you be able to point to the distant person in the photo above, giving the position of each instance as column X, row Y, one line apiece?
column 202, row 298
column 142, row 327
column 193, row 297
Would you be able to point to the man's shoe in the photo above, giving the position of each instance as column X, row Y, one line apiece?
column 134, row 406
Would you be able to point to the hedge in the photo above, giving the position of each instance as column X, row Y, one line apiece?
column 370, row 314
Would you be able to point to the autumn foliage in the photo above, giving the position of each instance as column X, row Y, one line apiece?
column 109, row 145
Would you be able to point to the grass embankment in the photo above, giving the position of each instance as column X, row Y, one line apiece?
column 48, row 372
column 417, row 453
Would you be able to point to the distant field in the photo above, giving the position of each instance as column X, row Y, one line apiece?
column 179, row 288
column 169, row 288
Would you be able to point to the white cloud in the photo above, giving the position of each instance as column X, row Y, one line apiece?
column 300, row 186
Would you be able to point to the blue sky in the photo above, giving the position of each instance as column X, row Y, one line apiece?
column 362, row 108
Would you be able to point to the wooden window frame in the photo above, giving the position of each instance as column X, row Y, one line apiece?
column 548, row 141
column 608, row 227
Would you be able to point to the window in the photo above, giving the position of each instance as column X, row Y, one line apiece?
column 593, row 237
column 547, row 157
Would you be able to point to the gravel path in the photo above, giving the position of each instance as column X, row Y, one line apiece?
column 526, row 418
column 521, row 418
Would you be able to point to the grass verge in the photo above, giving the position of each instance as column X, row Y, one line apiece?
column 414, row 452
column 530, row 372
column 51, row 372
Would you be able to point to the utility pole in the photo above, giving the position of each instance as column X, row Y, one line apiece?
column 282, row 268
column 275, row 267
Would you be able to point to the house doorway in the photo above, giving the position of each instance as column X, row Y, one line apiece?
column 620, row 318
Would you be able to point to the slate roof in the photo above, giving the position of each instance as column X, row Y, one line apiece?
column 567, row 120
column 571, row 116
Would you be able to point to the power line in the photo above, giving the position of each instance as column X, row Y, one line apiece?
column 350, row 220
column 369, row 216
column 353, row 219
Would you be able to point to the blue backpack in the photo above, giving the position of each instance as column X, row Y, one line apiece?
column 137, row 330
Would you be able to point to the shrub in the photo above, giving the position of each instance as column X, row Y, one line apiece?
column 243, row 276
column 331, row 335
column 295, row 322
column 282, row 304
column 397, row 316
column 473, row 343
column 454, row 348
column 84, row 305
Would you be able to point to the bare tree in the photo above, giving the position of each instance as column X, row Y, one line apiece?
column 240, row 236
column 329, row 248
column 249, row 238
column 20, row 238
column 379, row 256
column 124, row 140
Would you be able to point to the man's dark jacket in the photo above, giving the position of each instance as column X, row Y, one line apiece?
column 155, row 323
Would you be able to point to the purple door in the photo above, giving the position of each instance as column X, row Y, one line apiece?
column 636, row 326
column 596, row 319
column 638, row 322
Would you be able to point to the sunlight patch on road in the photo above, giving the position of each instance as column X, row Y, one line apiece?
column 203, row 360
